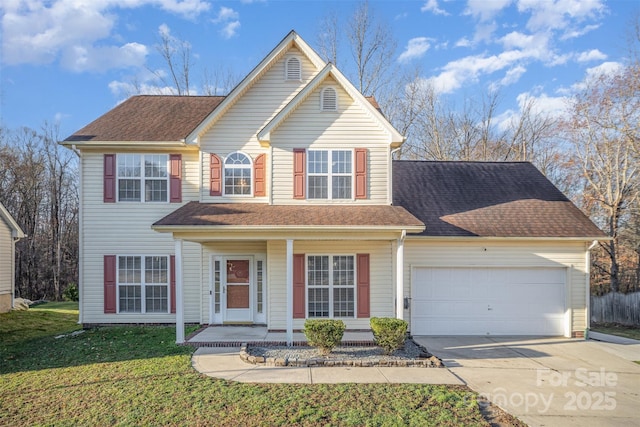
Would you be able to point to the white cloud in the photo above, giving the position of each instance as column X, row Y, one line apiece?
column 98, row 58
column 592, row 55
column 226, row 14
column 416, row 48
column 230, row 29
column 573, row 33
column 513, row 75
column 43, row 31
column 230, row 21
column 560, row 14
column 432, row 6
column 463, row 42
column 485, row 10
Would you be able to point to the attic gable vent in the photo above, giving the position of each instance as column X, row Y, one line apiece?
column 329, row 99
column 293, row 69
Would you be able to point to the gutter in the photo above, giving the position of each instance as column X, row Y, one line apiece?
column 80, row 236
column 587, row 282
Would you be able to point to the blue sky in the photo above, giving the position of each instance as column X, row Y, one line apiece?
column 69, row 61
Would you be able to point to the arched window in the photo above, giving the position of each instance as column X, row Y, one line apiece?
column 293, row 69
column 329, row 99
column 237, row 174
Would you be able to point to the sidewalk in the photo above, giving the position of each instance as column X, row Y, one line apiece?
column 225, row 363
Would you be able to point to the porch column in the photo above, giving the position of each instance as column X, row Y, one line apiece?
column 400, row 276
column 289, row 292
column 179, row 299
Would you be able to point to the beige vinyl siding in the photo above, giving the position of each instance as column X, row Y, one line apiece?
column 441, row 253
column 223, row 248
column 348, row 128
column 237, row 129
column 6, row 267
column 124, row 228
column 381, row 273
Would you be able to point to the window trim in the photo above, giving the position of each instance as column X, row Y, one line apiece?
column 286, row 69
column 323, row 108
column 143, row 178
column 143, row 284
column 331, row 286
column 330, row 174
column 250, row 166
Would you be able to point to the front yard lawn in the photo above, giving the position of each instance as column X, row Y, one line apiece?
column 138, row 376
column 632, row 332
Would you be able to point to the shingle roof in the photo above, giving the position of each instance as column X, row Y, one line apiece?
column 486, row 199
column 149, row 118
column 253, row 214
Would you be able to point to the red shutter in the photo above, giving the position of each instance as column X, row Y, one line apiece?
column 109, row 189
column 299, row 163
column 109, row 283
column 172, row 282
column 298, row 286
column 215, row 179
column 259, row 188
column 363, row 285
column 361, row 173
column 175, row 178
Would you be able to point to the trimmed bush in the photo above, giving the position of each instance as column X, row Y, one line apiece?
column 325, row 334
column 389, row 333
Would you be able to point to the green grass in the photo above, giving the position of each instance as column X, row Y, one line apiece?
column 632, row 332
column 138, row 376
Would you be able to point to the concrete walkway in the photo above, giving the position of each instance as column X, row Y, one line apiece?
column 225, row 363
column 549, row 381
column 235, row 335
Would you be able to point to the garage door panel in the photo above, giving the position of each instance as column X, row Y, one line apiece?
column 480, row 301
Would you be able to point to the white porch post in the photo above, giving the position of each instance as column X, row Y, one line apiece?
column 400, row 276
column 179, row 304
column 289, row 292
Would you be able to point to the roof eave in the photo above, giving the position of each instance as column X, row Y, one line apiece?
column 516, row 238
column 127, row 144
column 16, row 231
column 288, row 228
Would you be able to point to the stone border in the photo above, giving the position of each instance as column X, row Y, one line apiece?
column 430, row 362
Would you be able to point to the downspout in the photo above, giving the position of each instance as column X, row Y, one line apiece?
column 587, row 260
column 80, row 237
column 390, row 175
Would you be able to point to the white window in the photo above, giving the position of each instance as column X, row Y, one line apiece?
column 237, row 175
column 143, row 284
column 143, row 172
column 293, row 69
column 328, row 99
column 330, row 180
column 331, row 286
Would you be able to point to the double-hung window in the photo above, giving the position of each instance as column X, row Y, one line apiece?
column 331, row 286
column 143, row 284
column 237, row 175
column 143, row 177
column 330, row 174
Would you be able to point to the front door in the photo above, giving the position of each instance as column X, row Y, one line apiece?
column 237, row 289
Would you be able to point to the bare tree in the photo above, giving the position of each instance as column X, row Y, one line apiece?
column 329, row 38
column 177, row 56
column 220, row 81
column 603, row 128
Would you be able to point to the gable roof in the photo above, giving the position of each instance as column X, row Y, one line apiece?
column 487, row 200
column 395, row 138
column 261, row 216
column 156, row 118
column 291, row 39
column 16, row 231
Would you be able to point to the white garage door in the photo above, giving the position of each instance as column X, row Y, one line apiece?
column 488, row 301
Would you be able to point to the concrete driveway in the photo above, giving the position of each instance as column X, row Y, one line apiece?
column 548, row 381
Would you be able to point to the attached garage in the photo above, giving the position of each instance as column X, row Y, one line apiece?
column 488, row 301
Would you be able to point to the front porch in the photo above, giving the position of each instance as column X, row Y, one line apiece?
column 235, row 336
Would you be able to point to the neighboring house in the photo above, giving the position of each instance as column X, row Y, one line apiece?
column 10, row 233
column 280, row 202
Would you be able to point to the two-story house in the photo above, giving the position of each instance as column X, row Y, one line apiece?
column 280, row 202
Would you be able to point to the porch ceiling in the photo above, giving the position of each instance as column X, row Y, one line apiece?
column 196, row 216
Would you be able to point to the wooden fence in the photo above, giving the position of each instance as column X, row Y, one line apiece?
column 616, row 308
